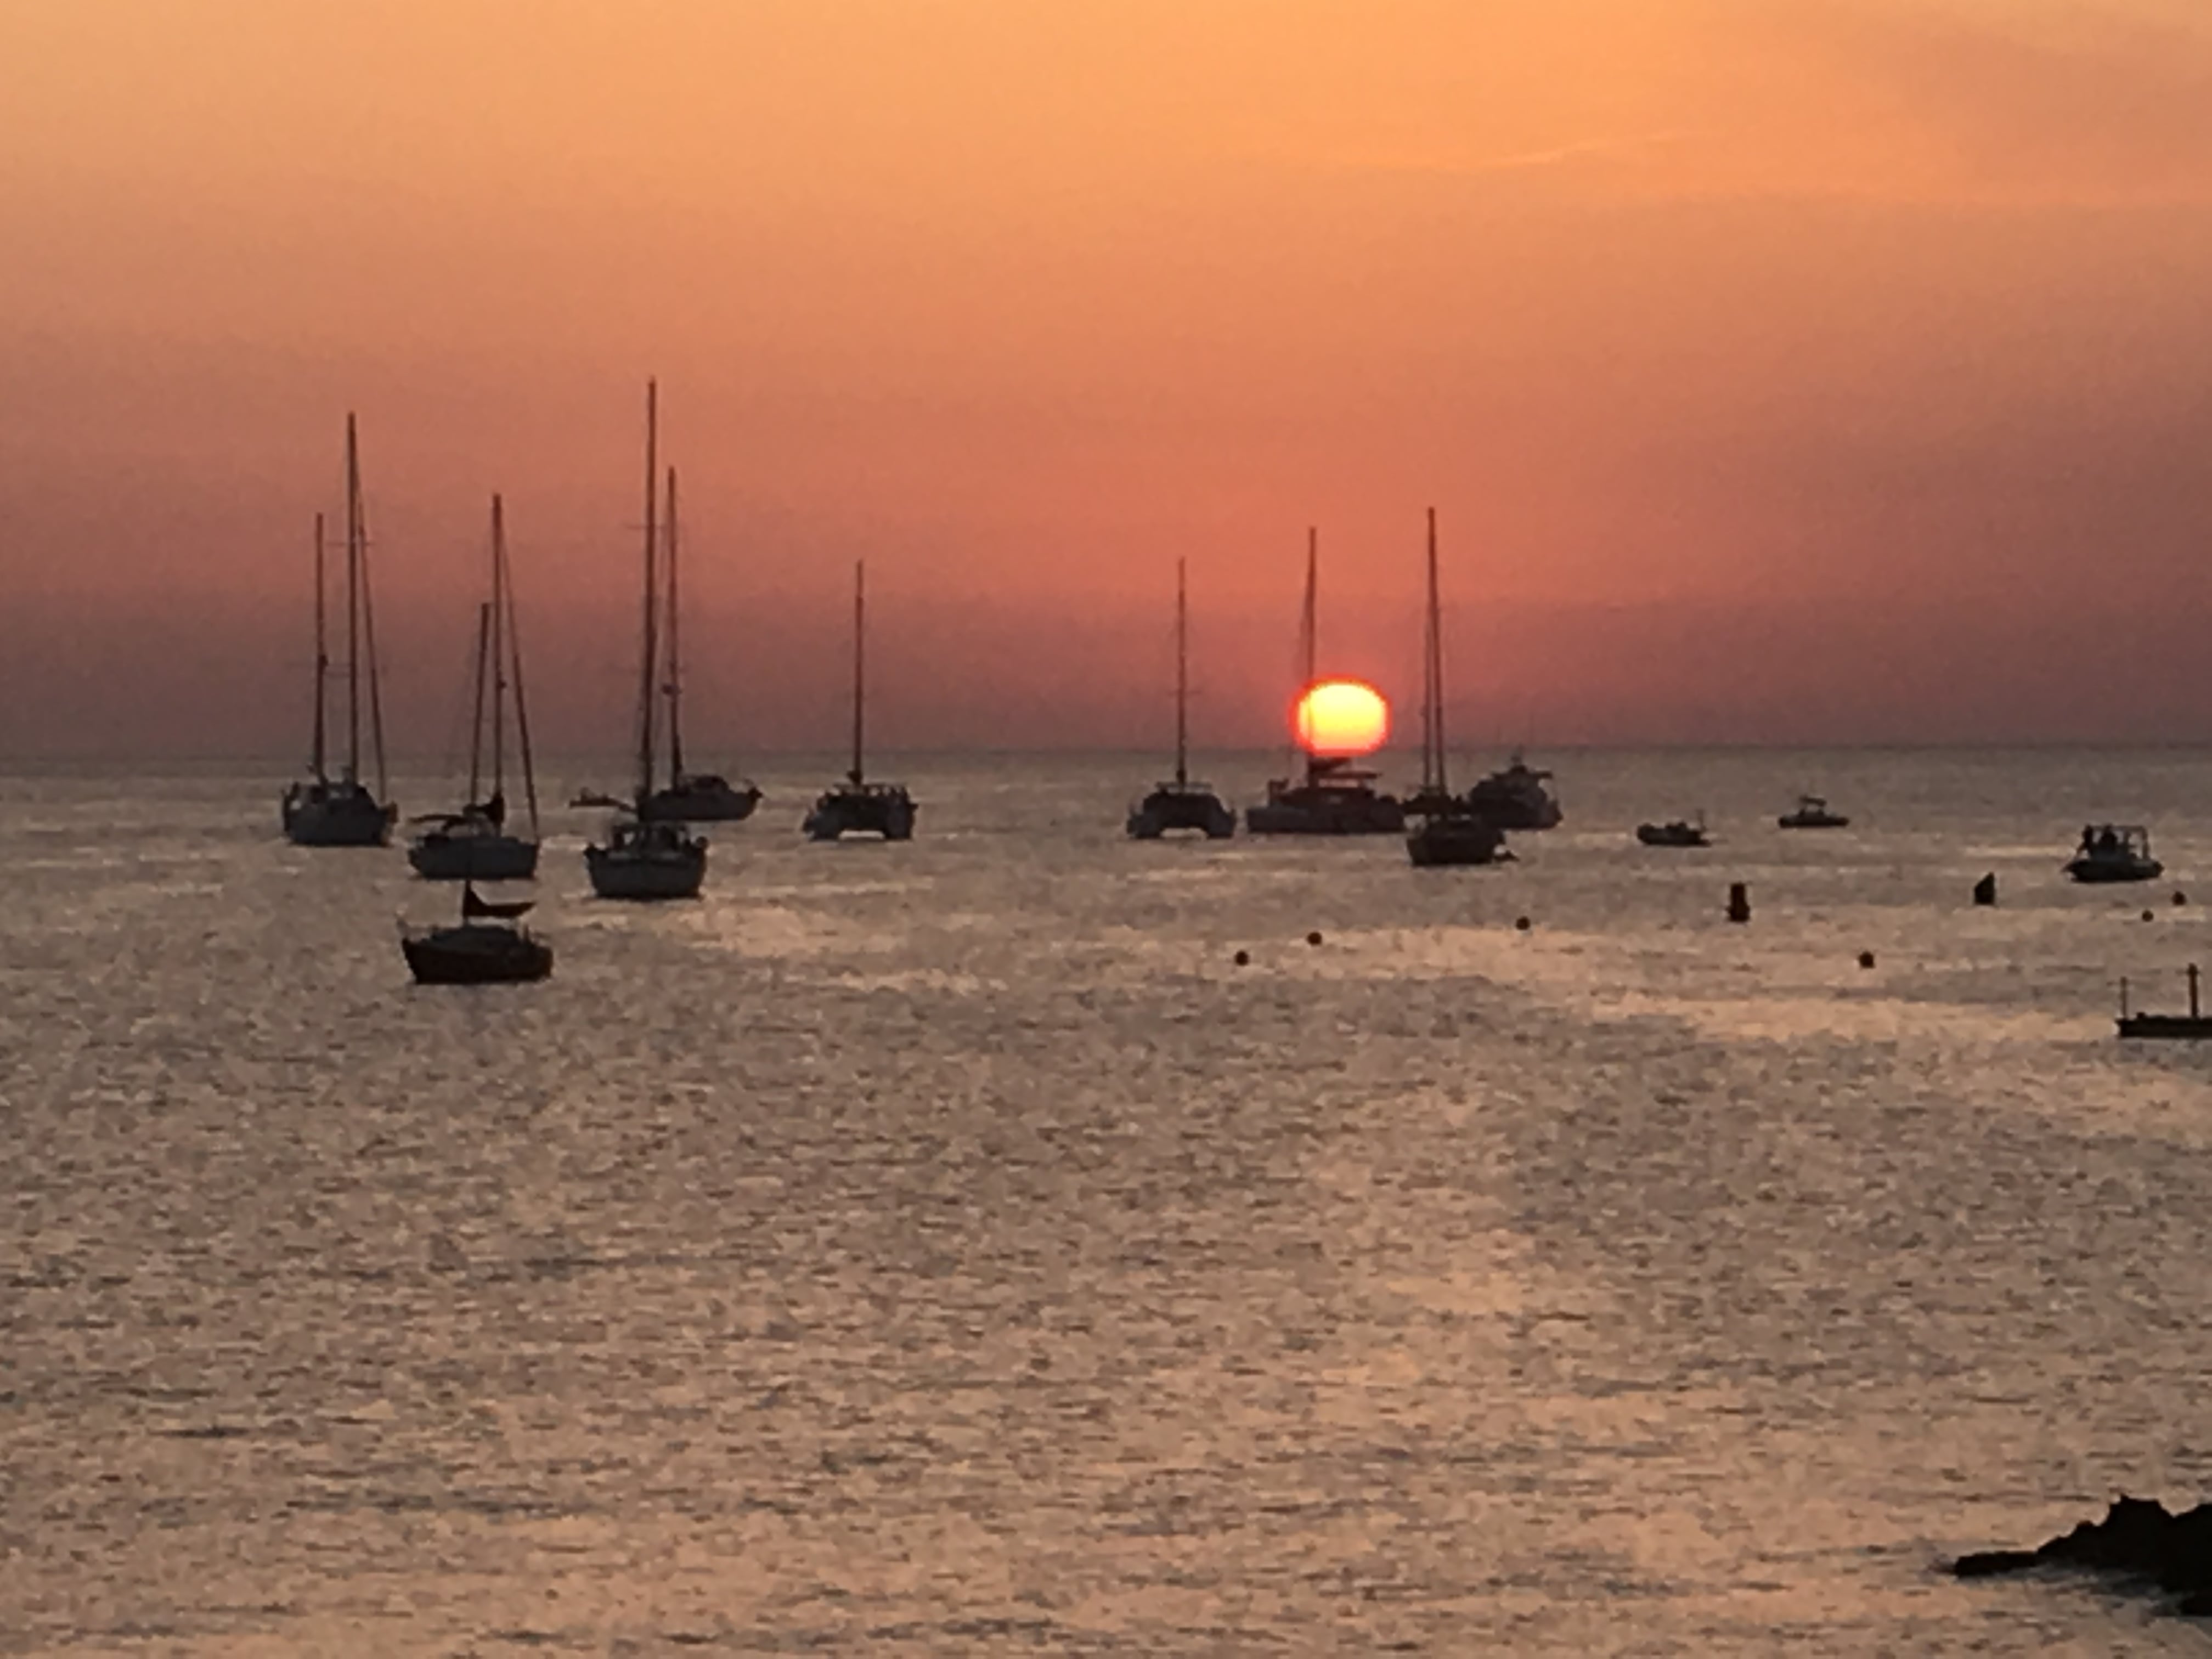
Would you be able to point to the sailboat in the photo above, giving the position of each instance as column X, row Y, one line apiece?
column 473, row 843
column 856, row 806
column 1335, row 797
column 1450, row 831
column 1181, row 804
column 486, row 948
column 320, row 809
column 691, row 796
column 642, row 857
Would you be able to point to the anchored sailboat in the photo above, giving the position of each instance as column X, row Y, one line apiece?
column 320, row 810
column 691, row 796
column 643, row 857
column 1335, row 797
column 1450, row 830
column 1181, row 804
column 473, row 842
column 486, row 948
column 856, row 806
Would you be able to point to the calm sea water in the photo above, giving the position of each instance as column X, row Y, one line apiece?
column 947, row 1248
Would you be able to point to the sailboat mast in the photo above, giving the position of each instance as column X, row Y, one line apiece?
column 675, row 662
column 1432, row 735
column 1182, row 673
column 368, row 647
column 495, row 653
column 353, row 603
column 475, row 721
column 860, row 664
column 322, row 657
column 649, row 653
column 1309, row 627
column 514, row 652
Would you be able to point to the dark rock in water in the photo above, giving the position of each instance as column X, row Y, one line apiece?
column 2137, row 1539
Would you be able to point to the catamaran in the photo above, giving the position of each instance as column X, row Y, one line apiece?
column 1181, row 803
column 1450, row 830
column 320, row 809
column 642, row 857
column 1335, row 797
column 473, row 843
column 857, row 806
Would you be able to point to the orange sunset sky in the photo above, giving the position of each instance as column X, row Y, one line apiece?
column 1781, row 370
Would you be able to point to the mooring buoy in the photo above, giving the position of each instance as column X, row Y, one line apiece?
column 1739, row 908
column 1986, row 890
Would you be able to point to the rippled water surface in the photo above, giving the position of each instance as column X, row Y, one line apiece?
column 948, row 1248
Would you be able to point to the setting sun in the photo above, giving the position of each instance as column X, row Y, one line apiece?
column 1341, row 717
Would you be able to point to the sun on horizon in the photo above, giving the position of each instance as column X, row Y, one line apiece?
column 1341, row 717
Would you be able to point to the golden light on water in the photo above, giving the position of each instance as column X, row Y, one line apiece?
column 1341, row 717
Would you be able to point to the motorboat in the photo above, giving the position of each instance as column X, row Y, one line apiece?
column 859, row 806
column 1812, row 813
column 486, row 948
column 321, row 810
column 2114, row 852
column 1447, row 829
column 1518, row 796
column 1678, row 832
column 1181, row 803
column 473, row 842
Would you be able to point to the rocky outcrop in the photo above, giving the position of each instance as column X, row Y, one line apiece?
column 2138, row 1539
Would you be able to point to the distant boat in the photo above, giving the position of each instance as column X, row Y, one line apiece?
column 856, row 806
column 485, row 949
column 320, row 809
column 690, row 797
column 1181, row 804
column 1450, row 830
column 1812, row 813
column 1335, row 797
column 642, row 858
column 1679, row 832
column 2114, row 852
column 472, row 844
column 1517, row 797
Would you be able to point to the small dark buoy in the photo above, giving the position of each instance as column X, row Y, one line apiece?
column 1986, row 890
column 1243, row 959
column 2180, row 897
column 1739, row 902
column 1866, row 958
column 1521, row 924
column 2147, row 915
column 1313, row 938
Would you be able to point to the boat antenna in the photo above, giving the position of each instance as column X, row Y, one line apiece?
column 1182, row 673
column 860, row 664
column 514, row 652
column 322, row 657
column 648, row 689
column 675, row 665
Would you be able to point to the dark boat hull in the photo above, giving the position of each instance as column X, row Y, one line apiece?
column 337, row 815
column 1671, row 835
column 2098, row 872
column 2165, row 1026
column 868, row 810
column 477, row 955
column 1799, row 821
column 709, row 800
column 1439, row 841
column 1171, row 808
column 437, row 857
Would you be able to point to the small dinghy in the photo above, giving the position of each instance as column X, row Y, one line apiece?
column 487, row 948
column 1812, row 813
column 1681, row 832
column 2114, row 852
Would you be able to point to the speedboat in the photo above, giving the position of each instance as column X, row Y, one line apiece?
column 1679, row 832
column 1812, row 813
column 2114, row 852
column 485, row 949
column 1517, row 797
column 643, row 859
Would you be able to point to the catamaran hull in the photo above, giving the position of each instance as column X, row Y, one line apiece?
column 357, row 820
column 480, row 858
column 1167, row 811
column 615, row 876
column 835, row 817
